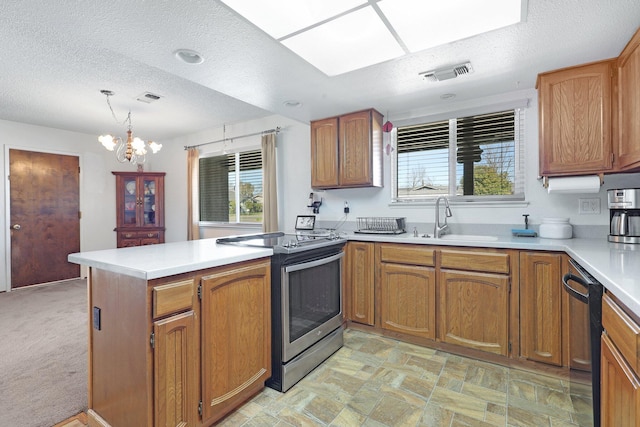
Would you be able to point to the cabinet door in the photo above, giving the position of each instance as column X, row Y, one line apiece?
column 579, row 334
column 407, row 299
column 176, row 366
column 620, row 389
column 360, row 282
column 628, row 135
column 575, row 120
column 236, row 337
column 324, row 153
column 128, row 201
column 151, row 191
column 355, row 149
column 541, row 306
column 474, row 309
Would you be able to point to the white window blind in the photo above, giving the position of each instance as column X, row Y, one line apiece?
column 477, row 156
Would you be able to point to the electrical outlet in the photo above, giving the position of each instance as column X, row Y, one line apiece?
column 588, row 206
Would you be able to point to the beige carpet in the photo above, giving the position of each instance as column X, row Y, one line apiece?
column 43, row 354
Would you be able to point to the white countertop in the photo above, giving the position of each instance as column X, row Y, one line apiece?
column 154, row 261
column 615, row 265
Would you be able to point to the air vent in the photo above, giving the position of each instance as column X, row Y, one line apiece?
column 447, row 73
column 148, row 97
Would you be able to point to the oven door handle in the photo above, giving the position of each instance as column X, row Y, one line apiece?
column 310, row 264
column 573, row 292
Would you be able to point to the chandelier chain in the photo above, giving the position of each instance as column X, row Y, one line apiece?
column 125, row 121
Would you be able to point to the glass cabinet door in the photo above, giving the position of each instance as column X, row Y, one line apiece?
column 149, row 202
column 130, row 202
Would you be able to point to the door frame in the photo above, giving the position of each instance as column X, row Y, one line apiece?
column 7, row 202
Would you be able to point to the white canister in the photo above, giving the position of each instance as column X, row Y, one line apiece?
column 556, row 228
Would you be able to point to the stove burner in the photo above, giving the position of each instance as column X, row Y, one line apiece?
column 284, row 242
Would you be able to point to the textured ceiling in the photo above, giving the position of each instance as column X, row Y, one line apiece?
column 56, row 56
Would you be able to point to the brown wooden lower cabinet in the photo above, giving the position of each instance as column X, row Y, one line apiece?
column 620, row 392
column 619, row 379
column 541, row 297
column 175, row 370
column 474, row 310
column 160, row 355
column 407, row 299
column 236, row 338
column 360, row 273
column 406, row 282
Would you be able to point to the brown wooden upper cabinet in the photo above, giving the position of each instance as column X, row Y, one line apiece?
column 346, row 151
column 575, row 119
column 627, row 135
column 590, row 116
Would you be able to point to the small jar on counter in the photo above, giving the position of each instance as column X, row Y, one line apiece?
column 556, row 228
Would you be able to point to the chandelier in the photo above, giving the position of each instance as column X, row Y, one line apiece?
column 133, row 150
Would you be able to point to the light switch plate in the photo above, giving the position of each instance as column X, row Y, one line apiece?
column 589, row 206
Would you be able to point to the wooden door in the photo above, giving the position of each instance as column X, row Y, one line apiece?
column 576, row 319
column 355, row 149
column 575, row 120
column 324, row 153
column 360, row 282
column 628, row 123
column 235, row 336
column 541, row 297
column 620, row 389
column 407, row 299
column 176, row 385
column 474, row 310
column 44, row 212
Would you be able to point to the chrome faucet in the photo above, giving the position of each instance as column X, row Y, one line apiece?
column 440, row 229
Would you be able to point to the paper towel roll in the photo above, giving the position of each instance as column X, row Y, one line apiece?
column 574, row 184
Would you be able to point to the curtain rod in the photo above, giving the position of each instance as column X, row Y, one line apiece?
column 264, row 132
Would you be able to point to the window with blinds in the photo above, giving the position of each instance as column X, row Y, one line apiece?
column 231, row 188
column 478, row 156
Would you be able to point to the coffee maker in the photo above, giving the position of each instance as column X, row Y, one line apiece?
column 624, row 215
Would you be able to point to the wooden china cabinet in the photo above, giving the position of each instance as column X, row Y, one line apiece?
column 139, row 208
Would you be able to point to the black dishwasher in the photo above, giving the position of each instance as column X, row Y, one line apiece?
column 593, row 297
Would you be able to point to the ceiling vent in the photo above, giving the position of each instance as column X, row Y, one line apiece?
column 447, row 73
column 148, row 97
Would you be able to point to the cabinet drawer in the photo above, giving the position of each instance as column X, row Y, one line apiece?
column 406, row 254
column 623, row 331
column 491, row 262
column 139, row 234
column 172, row 298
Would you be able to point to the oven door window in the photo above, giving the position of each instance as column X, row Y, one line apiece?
column 314, row 298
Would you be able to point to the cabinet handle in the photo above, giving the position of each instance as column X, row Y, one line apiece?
column 16, row 226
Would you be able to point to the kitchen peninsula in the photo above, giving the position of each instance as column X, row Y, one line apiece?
column 180, row 333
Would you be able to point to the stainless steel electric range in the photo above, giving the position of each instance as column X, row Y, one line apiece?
column 306, row 300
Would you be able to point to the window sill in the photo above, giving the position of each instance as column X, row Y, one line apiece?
column 462, row 203
column 244, row 225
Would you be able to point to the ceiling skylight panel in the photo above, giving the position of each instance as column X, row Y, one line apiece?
column 353, row 41
column 279, row 18
column 422, row 24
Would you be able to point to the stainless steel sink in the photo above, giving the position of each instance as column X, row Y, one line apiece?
column 469, row 237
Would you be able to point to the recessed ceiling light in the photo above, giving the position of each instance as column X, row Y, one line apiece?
column 292, row 103
column 447, row 96
column 189, row 56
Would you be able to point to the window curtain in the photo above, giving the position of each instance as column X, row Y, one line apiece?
column 193, row 230
column 269, row 186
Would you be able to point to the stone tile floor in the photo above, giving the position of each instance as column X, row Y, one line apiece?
column 377, row 381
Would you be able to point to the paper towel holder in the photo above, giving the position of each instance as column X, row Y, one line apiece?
column 545, row 179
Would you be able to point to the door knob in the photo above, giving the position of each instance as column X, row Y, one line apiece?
column 16, row 227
